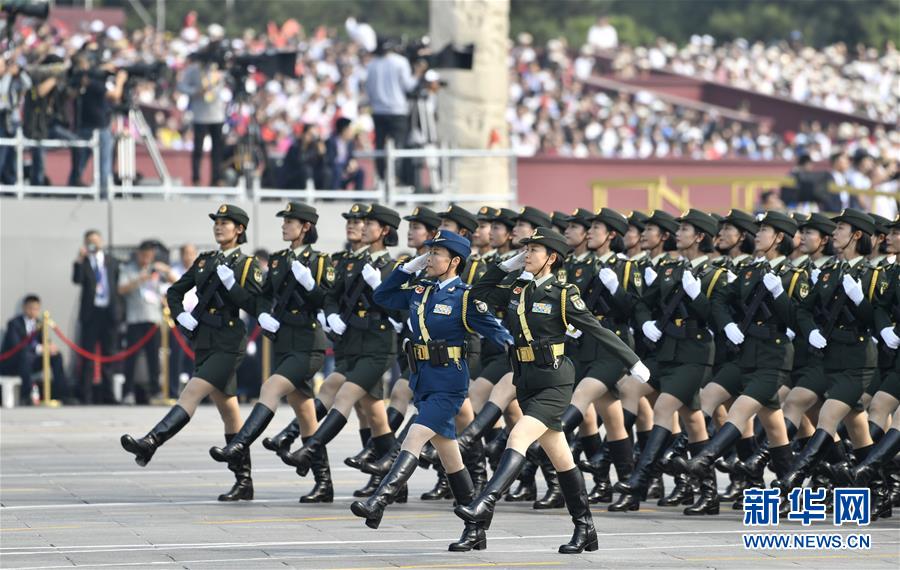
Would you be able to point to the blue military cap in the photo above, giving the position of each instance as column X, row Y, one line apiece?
column 453, row 242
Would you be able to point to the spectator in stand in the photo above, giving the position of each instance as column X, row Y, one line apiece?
column 305, row 160
column 345, row 169
column 770, row 201
column 362, row 33
column 840, row 164
column 602, row 35
column 15, row 83
column 27, row 361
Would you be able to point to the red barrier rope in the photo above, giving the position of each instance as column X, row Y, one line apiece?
column 22, row 344
column 182, row 342
column 99, row 358
column 254, row 334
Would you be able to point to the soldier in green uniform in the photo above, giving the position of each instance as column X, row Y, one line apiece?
column 287, row 308
column 367, row 340
column 675, row 310
column 226, row 281
column 560, row 221
column 837, row 319
column 755, row 312
column 541, row 309
column 637, row 221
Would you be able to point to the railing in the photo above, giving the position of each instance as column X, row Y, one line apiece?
column 21, row 143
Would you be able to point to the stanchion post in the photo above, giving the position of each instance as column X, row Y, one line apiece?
column 266, row 357
column 164, row 352
column 45, row 355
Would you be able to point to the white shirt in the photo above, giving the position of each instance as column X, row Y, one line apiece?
column 603, row 37
column 101, row 293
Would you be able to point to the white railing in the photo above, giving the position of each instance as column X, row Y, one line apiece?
column 438, row 162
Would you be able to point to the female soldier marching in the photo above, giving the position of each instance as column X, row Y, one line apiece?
column 226, row 281
column 540, row 312
column 441, row 313
column 293, row 293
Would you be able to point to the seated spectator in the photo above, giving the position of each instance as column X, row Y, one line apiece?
column 344, row 168
column 28, row 360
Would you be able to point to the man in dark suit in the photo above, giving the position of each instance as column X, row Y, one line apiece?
column 27, row 361
column 97, row 273
column 344, row 169
column 834, row 203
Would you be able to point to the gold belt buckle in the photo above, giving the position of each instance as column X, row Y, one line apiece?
column 526, row 354
column 361, row 313
column 421, row 352
column 679, row 322
column 212, row 311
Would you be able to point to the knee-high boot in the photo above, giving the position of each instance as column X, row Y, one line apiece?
column 144, row 448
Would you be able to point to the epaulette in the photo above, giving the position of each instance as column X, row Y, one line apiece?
column 622, row 256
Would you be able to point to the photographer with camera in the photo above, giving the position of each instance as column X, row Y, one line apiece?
column 141, row 284
column 204, row 81
column 14, row 84
column 389, row 80
column 95, row 96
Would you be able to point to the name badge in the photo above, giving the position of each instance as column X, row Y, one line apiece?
column 542, row 308
column 443, row 309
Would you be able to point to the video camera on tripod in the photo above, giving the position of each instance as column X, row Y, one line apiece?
column 449, row 57
column 39, row 9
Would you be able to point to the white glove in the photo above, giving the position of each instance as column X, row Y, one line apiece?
column 415, row 264
column 649, row 276
column 609, row 279
column 816, row 340
column 526, row 276
column 303, row 275
column 651, row 331
column 320, row 316
column 690, row 284
column 887, row 333
column 734, row 334
column 226, row 276
column 640, row 371
column 187, row 320
column 814, row 276
column 573, row 332
column 398, row 326
column 268, row 322
column 790, row 333
column 251, row 348
column 515, row 262
column 337, row 325
column 853, row 288
column 773, row 284
column 371, row 276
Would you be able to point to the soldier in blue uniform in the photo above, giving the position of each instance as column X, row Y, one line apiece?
column 441, row 313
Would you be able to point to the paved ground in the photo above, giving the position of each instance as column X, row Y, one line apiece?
column 72, row 497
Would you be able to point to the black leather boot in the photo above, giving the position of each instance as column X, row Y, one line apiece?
column 584, row 537
column 242, row 490
column 282, row 441
column 754, row 467
column 526, row 490
column 708, row 503
column 481, row 510
column 369, row 488
column 677, row 449
column 372, row 509
column 622, row 455
column 602, row 490
column 735, row 489
column 495, row 446
column 323, row 490
column 395, row 419
column 144, row 448
column 441, row 489
column 484, row 420
column 473, row 537
column 429, row 457
column 818, row 444
column 553, row 498
column 365, row 455
column 254, row 425
column 571, row 418
column 332, row 425
column 640, row 478
column 386, row 449
column 682, row 493
column 881, row 454
column 698, row 466
column 473, row 459
column 656, row 489
column 875, row 432
column 598, row 462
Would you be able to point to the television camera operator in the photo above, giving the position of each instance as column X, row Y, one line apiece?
column 15, row 83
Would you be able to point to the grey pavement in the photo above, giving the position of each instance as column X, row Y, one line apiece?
column 71, row 497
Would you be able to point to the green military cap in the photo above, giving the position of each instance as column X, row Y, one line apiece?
column 425, row 216
column 881, row 224
column 534, row 217
column 487, row 213
column 233, row 213
column 663, row 219
column 355, row 211
column 819, row 222
column 719, row 218
column 741, row 220
column 383, row 214
column 581, row 216
column 856, row 218
column 559, row 219
column 700, row 220
column 505, row 216
column 461, row 216
column 613, row 220
column 781, row 222
column 800, row 218
column 551, row 239
column 637, row 219
column 298, row 211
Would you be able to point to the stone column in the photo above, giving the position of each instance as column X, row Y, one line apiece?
column 472, row 108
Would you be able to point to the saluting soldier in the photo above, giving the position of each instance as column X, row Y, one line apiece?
column 226, row 281
column 837, row 319
column 287, row 308
column 442, row 311
column 676, row 313
column 541, row 310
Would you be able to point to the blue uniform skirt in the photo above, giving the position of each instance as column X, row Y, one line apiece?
column 437, row 411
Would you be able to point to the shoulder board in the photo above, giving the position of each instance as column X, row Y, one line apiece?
column 475, row 257
column 208, row 253
column 622, row 256
column 463, row 286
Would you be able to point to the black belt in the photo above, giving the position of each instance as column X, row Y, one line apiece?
column 682, row 329
column 764, row 332
column 297, row 319
column 845, row 336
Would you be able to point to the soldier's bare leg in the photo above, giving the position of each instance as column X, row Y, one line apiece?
column 711, row 397
column 858, row 428
column 610, row 409
column 377, row 414
column 465, row 416
column 330, row 388
column 479, row 392
column 557, row 449
column 229, row 410
column 882, row 406
column 694, row 423
column 797, row 403
column 401, row 395
column 305, row 410
column 194, row 392
column 644, row 420
column 273, row 390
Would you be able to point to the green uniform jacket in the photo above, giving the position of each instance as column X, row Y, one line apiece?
column 887, row 313
column 549, row 309
column 613, row 311
column 220, row 325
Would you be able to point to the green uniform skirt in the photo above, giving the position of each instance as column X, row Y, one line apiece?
column 544, row 393
column 218, row 368
column 300, row 368
column 683, row 381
